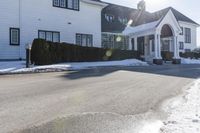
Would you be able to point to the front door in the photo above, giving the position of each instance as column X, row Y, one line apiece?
column 140, row 45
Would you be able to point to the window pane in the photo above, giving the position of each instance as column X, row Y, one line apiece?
column 78, row 39
column 42, row 35
column 56, row 2
column 76, row 4
column 56, row 37
column 14, row 36
column 49, row 36
column 89, row 40
column 62, row 3
column 70, row 3
column 84, row 40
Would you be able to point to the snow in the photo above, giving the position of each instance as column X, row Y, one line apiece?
column 144, row 27
column 184, row 112
column 190, row 61
column 19, row 66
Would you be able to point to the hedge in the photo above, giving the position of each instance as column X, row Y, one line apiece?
column 44, row 53
column 193, row 55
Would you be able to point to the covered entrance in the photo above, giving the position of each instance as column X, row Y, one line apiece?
column 156, row 41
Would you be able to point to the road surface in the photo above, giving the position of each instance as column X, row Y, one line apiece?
column 96, row 96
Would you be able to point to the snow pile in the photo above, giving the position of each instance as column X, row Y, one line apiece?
column 190, row 61
column 184, row 112
column 10, row 66
column 19, row 66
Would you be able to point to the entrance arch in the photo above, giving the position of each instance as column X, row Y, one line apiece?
column 167, row 42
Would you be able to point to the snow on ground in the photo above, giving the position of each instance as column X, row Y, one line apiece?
column 190, row 61
column 184, row 112
column 19, row 66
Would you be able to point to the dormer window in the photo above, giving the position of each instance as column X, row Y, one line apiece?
column 109, row 17
column 123, row 20
column 69, row 4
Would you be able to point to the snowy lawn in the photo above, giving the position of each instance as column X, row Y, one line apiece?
column 189, row 61
column 184, row 112
column 19, row 66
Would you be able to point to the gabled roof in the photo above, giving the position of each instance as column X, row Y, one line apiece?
column 138, row 17
column 179, row 16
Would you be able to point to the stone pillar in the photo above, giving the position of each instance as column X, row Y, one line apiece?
column 176, row 58
column 157, row 59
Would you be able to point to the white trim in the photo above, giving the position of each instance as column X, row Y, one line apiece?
column 95, row 3
column 188, row 23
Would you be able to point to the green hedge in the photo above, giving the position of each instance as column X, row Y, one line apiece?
column 43, row 53
column 192, row 55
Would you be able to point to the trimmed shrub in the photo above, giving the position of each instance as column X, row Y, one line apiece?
column 192, row 55
column 44, row 53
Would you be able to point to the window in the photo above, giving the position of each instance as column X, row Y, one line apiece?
column 49, row 35
column 109, row 17
column 187, row 50
column 69, row 4
column 115, row 41
column 122, row 20
column 14, row 36
column 56, row 2
column 181, row 31
column 84, row 40
column 187, row 35
column 181, row 45
column 62, row 3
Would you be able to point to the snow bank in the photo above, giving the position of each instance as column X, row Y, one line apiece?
column 184, row 112
column 19, row 66
column 189, row 61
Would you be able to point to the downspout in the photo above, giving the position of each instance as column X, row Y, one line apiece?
column 20, row 57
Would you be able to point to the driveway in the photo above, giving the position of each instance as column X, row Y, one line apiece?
column 95, row 100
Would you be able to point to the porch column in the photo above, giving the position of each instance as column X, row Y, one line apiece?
column 130, row 43
column 157, row 59
column 176, row 58
column 159, row 47
column 135, row 43
column 156, row 46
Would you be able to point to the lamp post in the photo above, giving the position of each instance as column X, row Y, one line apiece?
column 28, row 55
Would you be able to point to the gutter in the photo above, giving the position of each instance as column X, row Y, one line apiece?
column 100, row 3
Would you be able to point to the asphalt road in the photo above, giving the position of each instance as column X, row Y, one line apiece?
column 88, row 98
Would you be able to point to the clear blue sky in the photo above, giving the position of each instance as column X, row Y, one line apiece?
column 190, row 8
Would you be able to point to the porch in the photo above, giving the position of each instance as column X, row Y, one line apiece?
column 152, row 39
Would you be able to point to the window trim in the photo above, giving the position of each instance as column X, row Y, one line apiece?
column 10, row 32
column 46, row 34
column 81, row 35
column 182, row 31
column 181, row 47
column 188, row 40
column 67, row 5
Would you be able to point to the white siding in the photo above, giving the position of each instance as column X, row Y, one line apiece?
column 9, row 17
column 41, row 15
column 181, row 38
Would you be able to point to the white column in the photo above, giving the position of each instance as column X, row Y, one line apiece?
column 156, row 46
column 135, row 44
column 175, row 47
column 159, row 47
column 130, row 43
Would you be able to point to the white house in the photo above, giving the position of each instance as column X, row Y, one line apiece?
column 149, row 33
column 71, row 21
column 94, row 23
